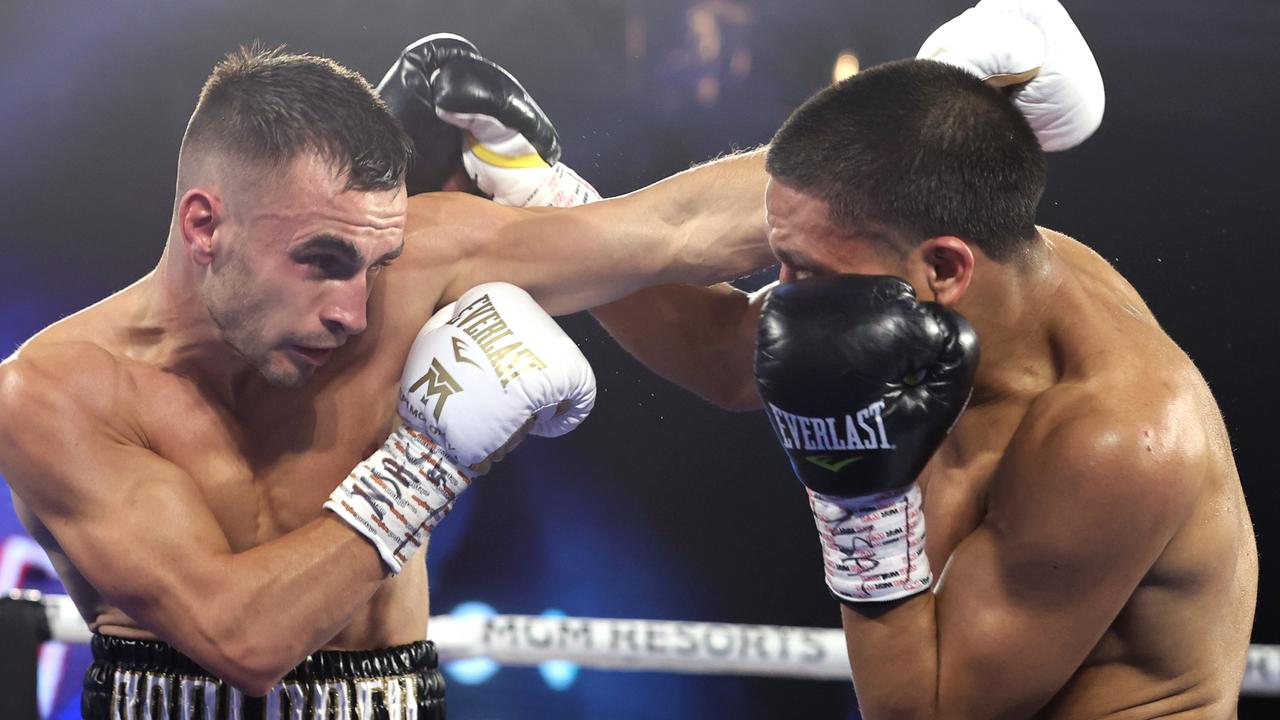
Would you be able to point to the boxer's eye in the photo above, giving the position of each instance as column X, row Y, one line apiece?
column 329, row 267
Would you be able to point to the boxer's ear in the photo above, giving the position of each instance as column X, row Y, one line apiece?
column 949, row 264
column 199, row 214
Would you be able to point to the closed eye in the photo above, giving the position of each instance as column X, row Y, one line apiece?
column 329, row 267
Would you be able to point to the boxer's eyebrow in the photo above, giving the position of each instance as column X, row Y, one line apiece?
column 388, row 257
column 340, row 246
column 799, row 262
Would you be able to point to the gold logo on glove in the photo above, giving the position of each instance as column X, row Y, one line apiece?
column 506, row 354
column 438, row 382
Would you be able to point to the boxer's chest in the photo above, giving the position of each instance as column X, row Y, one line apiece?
column 268, row 467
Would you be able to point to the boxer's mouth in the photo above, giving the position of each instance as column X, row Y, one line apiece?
column 312, row 355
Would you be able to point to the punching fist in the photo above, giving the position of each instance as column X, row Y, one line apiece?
column 482, row 372
column 1033, row 48
column 861, row 382
column 505, row 138
column 446, row 67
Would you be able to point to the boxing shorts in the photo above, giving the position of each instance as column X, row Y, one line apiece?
column 148, row 680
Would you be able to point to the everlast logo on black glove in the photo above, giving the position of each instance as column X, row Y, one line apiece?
column 862, row 380
column 863, row 430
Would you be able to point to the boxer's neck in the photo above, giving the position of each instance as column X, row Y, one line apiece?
column 186, row 340
column 1008, row 305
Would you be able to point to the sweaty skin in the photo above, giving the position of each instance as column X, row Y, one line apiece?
column 1092, row 551
column 179, row 494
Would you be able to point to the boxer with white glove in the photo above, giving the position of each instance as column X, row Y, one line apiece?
column 1033, row 48
column 482, row 372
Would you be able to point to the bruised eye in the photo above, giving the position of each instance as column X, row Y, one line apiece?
column 328, row 266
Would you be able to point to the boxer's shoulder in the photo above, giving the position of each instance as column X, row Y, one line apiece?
column 429, row 213
column 79, row 370
column 1093, row 441
column 53, row 393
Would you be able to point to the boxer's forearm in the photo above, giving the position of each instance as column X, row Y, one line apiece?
column 893, row 653
column 717, row 213
column 280, row 601
column 700, row 227
column 700, row 338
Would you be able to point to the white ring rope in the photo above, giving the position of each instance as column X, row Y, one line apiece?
column 652, row 645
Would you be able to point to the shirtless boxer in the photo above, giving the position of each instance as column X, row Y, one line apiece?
column 1091, row 552
column 172, row 446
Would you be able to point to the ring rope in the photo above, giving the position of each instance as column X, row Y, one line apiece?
column 646, row 645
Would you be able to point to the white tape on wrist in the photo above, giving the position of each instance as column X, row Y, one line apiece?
column 873, row 546
column 397, row 495
column 562, row 188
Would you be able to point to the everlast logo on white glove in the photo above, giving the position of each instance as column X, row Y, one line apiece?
column 397, row 495
column 482, row 322
column 863, row 430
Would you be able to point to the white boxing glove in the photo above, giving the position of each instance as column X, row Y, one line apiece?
column 482, row 371
column 497, row 359
column 1008, row 42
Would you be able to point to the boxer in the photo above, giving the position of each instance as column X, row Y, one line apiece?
column 1088, row 552
column 180, row 447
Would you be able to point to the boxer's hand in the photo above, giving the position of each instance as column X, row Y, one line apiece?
column 510, row 148
column 482, row 372
column 486, row 364
column 407, row 90
column 1033, row 45
column 861, row 383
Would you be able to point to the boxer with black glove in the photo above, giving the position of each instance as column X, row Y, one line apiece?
column 448, row 96
column 861, row 383
column 443, row 76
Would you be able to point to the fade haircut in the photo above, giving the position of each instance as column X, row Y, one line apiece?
column 268, row 106
column 916, row 149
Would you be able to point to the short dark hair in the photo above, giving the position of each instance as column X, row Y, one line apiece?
column 267, row 105
column 916, row 149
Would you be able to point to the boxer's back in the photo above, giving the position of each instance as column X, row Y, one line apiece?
column 1179, row 643
column 1183, row 636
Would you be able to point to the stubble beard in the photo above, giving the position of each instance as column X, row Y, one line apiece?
column 239, row 327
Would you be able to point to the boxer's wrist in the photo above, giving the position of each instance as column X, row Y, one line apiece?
column 512, row 173
column 397, row 495
column 873, row 546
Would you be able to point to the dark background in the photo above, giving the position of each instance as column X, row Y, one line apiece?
column 661, row 506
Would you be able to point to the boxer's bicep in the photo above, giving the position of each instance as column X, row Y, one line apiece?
column 568, row 259
column 1072, row 527
column 133, row 524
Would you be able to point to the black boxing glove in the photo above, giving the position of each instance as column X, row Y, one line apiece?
column 447, row 68
column 510, row 148
column 861, row 383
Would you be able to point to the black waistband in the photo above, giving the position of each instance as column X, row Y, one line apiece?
column 120, row 664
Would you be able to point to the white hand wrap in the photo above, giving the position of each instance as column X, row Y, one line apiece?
column 397, row 496
column 506, row 166
column 873, row 546
column 1006, row 42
